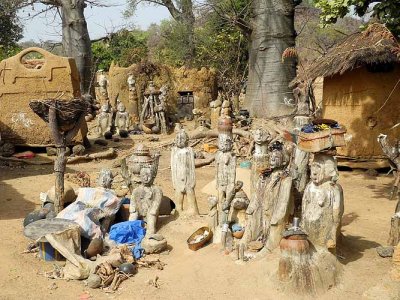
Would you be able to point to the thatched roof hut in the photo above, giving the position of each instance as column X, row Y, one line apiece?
column 361, row 89
column 374, row 46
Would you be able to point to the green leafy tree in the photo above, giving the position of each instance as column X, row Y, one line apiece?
column 182, row 11
column 10, row 30
column 386, row 11
column 125, row 47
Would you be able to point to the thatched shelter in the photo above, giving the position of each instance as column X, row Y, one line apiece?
column 361, row 88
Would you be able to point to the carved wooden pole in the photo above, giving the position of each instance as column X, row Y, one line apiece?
column 65, row 119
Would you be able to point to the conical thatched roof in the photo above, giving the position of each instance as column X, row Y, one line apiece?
column 375, row 45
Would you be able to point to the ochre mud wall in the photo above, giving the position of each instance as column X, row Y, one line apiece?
column 203, row 83
column 21, row 81
column 354, row 98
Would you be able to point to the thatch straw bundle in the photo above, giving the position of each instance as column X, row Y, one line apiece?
column 375, row 45
column 67, row 112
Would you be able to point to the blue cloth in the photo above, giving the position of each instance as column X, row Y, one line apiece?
column 308, row 128
column 129, row 232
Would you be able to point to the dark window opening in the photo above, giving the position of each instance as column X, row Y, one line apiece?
column 185, row 105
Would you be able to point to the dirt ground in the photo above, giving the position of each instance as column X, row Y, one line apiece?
column 207, row 273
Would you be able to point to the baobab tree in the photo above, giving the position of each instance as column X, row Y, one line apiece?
column 269, row 28
column 75, row 35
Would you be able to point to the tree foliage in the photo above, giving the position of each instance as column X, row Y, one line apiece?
column 125, row 47
column 10, row 29
column 386, row 11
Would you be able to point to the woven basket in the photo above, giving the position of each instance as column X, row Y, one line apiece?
column 197, row 246
column 323, row 140
column 67, row 112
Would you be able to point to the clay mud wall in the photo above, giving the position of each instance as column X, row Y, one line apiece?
column 203, row 83
column 23, row 80
column 354, row 98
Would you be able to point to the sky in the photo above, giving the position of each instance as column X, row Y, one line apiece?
column 100, row 20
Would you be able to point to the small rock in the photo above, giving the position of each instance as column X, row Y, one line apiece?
column 93, row 281
column 385, row 251
column 50, row 151
column 101, row 142
column 154, row 243
column 116, row 139
column 69, row 194
column 78, row 150
column 6, row 149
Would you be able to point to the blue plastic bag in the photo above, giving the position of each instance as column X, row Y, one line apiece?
column 129, row 232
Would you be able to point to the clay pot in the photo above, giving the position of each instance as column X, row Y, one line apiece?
column 295, row 243
column 238, row 234
column 225, row 125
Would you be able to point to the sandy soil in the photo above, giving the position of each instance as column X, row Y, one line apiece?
column 207, row 273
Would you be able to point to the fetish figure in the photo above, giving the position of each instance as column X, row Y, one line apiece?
column 104, row 122
column 323, row 206
column 146, row 201
column 225, row 176
column 103, row 89
column 122, row 120
column 271, row 204
column 260, row 160
column 133, row 99
column 183, row 173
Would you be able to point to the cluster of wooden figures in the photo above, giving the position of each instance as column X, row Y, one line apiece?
column 147, row 115
column 288, row 184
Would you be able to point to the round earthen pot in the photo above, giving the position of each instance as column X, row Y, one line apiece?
column 295, row 243
column 225, row 125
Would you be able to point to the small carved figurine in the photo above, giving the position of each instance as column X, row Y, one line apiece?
column 260, row 156
column 225, row 161
column 393, row 154
column 105, row 178
column 183, row 173
column 271, row 204
column 146, row 201
column 122, row 121
column 133, row 99
column 322, row 207
column 104, row 122
column 103, row 84
column 215, row 112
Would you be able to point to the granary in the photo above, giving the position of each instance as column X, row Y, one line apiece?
column 361, row 90
column 34, row 74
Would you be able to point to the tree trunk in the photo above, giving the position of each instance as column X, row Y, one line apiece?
column 269, row 77
column 76, row 40
column 188, row 22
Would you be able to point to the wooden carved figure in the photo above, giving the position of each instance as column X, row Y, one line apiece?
column 225, row 161
column 183, row 173
column 260, row 160
column 103, row 88
column 104, row 122
column 146, row 201
column 133, row 98
column 122, row 120
column 215, row 112
column 322, row 207
column 271, row 205
column 393, row 154
column 131, row 166
column 105, row 179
